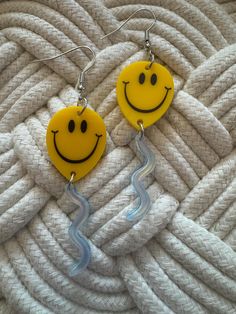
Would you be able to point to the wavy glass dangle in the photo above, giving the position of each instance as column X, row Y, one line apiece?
column 147, row 166
column 76, row 236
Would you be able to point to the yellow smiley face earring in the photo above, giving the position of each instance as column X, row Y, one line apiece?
column 145, row 90
column 76, row 140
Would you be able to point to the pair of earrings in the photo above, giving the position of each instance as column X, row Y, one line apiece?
column 76, row 135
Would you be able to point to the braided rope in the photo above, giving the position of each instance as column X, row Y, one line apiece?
column 181, row 257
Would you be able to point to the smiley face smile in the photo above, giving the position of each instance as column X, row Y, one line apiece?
column 76, row 161
column 144, row 110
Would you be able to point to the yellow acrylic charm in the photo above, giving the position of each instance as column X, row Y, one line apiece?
column 76, row 139
column 144, row 92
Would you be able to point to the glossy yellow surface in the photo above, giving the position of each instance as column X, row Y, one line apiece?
column 75, row 142
column 144, row 94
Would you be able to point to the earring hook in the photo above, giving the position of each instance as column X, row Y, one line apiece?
column 146, row 31
column 80, row 82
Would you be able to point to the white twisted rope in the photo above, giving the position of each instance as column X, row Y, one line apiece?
column 181, row 257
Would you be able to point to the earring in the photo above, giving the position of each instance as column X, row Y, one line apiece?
column 76, row 139
column 145, row 90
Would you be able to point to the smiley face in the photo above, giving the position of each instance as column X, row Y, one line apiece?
column 76, row 140
column 143, row 93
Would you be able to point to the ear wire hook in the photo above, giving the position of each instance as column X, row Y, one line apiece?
column 79, row 86
column 146, row 34
column 123, row 24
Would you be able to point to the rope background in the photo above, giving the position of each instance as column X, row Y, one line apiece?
column 181, row 257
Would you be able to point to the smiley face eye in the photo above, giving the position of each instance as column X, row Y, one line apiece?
column 83, row 126
column 153, row 79
column 141, row 78
column 71, row 126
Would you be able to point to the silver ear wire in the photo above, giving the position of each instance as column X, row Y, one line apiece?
column 146, row 36
column 147, row 45
column 79, row 86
